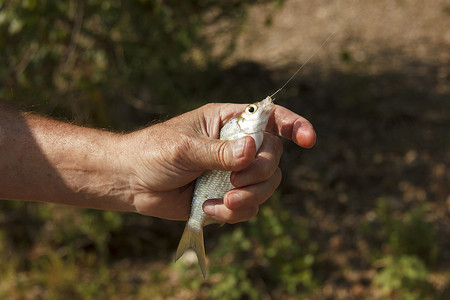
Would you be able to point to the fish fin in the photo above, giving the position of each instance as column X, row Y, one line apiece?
column 192, row 239
column 209, row 221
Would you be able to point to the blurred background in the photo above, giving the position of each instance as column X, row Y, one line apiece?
column 365, row 214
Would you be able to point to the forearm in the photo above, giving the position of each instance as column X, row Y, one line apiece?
column 50, row 161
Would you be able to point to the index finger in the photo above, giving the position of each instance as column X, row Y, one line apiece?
column 289, row 125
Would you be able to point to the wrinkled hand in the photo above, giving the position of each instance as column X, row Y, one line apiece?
column 170, row 155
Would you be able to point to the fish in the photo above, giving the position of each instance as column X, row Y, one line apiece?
column 214, row 184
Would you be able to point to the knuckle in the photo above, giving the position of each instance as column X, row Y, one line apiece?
column 186, row 153
column 273, row 139
column 220, row 153
column 278, row 176
column 265, row 168
column 253, row 212
column 268, row 170
column 243, row 215
column 182, row 148
column 210, row 105
column 277, row 145
column 274, row 145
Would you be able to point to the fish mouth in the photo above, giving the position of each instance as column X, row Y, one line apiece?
column 268, row 104
column 268, row 100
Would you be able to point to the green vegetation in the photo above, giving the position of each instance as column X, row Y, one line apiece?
column 404, row 276
column 93, row 60
column 272, row 253
column 409, row 235
column 412, row 245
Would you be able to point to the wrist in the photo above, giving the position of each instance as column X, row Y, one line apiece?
column 100, row 176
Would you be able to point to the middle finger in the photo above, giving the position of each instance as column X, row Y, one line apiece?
column 252, row 195
column 263, row 166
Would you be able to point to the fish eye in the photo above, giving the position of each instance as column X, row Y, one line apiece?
column 251, row 109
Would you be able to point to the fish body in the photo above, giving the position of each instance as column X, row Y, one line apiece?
column 214, row 184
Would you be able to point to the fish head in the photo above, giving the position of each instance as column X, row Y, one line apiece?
column 256, row 116
column 253, row 121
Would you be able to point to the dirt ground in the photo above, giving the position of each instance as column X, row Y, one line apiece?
column 388, row 31
column 378, row 94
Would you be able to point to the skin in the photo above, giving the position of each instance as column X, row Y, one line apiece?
column 149, row 171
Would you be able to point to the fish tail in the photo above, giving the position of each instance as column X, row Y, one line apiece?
column 192, row 239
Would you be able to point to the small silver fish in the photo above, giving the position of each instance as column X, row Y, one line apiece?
column 215, row 184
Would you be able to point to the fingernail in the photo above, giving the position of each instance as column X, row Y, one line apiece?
column 209, row 209
column 238, row 148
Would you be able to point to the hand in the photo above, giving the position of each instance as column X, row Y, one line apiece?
column 166, row 158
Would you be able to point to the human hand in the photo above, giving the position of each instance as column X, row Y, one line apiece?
column 164, row 159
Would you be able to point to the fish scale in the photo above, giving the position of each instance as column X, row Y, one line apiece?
column 214, row 184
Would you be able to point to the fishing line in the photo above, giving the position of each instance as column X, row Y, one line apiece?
column 355, row 9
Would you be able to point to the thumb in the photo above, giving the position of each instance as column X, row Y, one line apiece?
column 224, row 155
